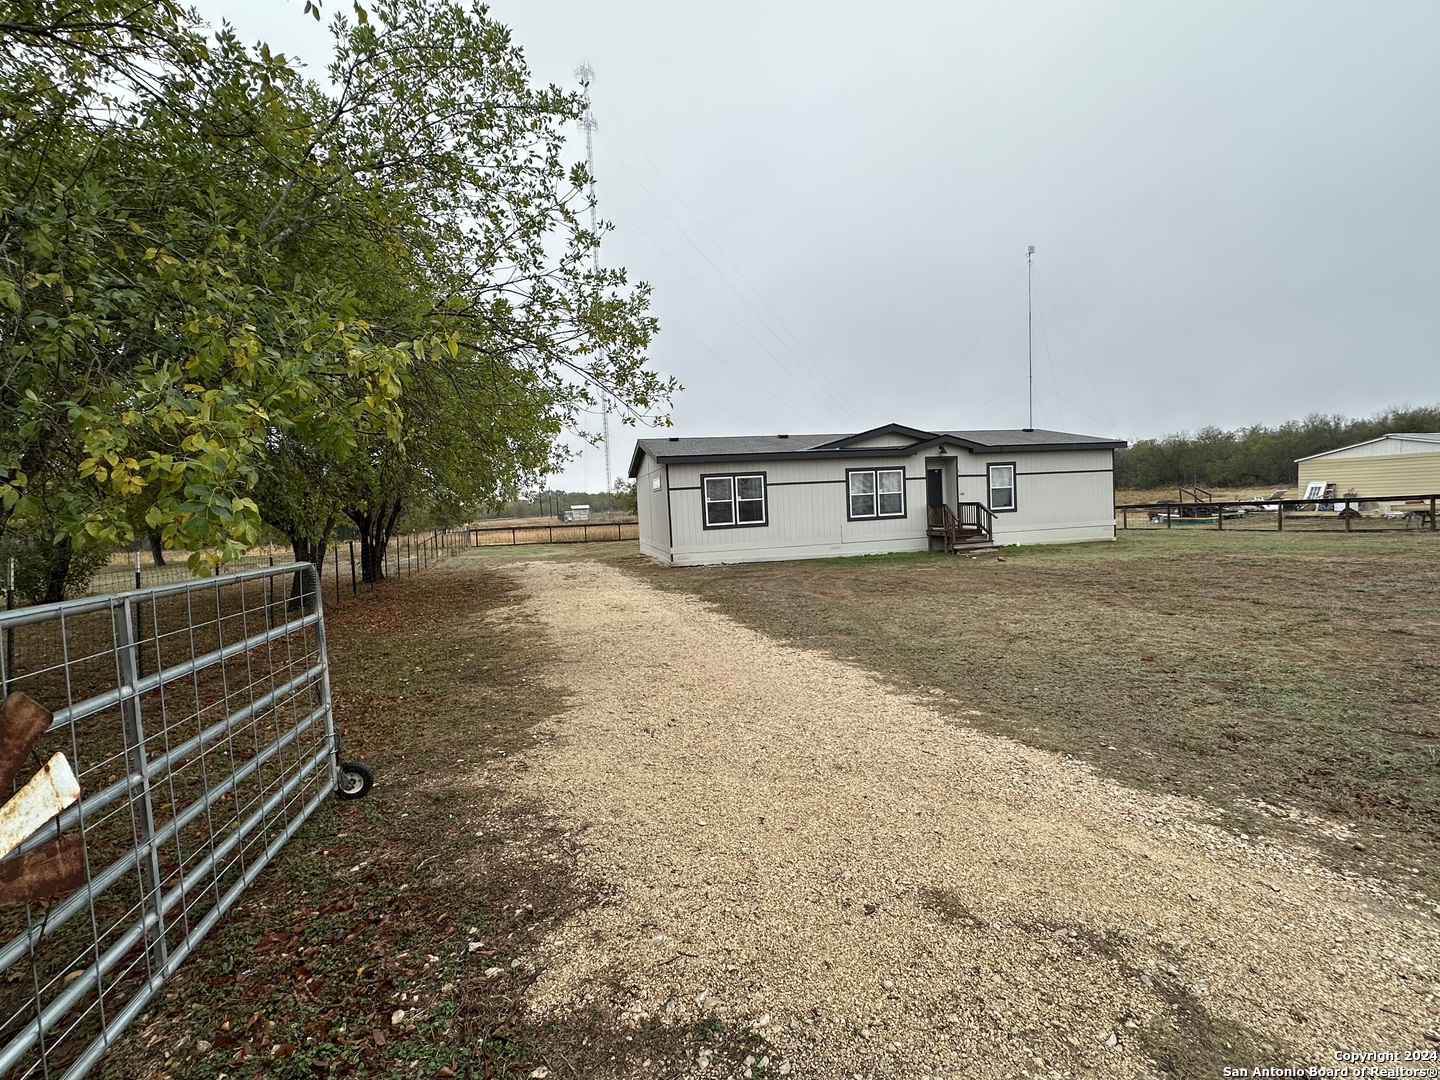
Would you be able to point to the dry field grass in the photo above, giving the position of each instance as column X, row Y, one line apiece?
column 1288, row 681
column 1279, row 676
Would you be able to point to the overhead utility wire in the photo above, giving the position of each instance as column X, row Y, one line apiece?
column 1050, row 360
column 738, row 371
column 817, row 371
column 984, row 405
column 1046, row 293
column 760, row 344
column 819, row 380
column 946, row 389
column 1054, row 385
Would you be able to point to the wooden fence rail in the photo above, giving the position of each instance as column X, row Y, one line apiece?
column 1416, row 510
column 574, row 533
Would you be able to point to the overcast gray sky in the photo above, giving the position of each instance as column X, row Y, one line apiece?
column 1233, row 205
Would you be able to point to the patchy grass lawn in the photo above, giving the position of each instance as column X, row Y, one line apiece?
column 391, row 937
column 1275, row 675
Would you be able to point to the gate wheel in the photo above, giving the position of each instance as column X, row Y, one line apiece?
column 356, row 780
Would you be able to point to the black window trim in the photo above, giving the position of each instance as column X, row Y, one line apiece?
column 733, row 477
column 1014, row 486
column 877, row 516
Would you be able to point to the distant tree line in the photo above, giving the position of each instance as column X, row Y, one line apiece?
column 1212, row 457
column 554, row 502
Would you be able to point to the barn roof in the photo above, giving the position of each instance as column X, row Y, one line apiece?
column 759, row 447
column 1404, row 436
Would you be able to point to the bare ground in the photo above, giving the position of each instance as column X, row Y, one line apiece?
column 789, row 846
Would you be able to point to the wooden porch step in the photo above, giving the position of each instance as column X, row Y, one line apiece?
column 975, row 547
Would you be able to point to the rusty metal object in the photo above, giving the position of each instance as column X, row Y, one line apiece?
column 46, row 873
column 54, row 869
column 48, row 792
column 22, row 721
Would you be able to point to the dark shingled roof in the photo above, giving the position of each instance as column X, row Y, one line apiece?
column 756, row 447
column 1035, row 439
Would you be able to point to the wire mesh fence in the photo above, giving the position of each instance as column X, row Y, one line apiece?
column 403, row 555
column 196, row 718
column 341, row 573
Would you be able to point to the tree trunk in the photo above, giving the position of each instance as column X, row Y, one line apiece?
column 312, row 551
column 157, row 548
column 375, row 526
column 58, row 572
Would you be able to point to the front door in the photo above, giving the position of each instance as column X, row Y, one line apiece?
column 934, row 487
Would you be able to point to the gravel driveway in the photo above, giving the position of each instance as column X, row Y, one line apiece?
column 793, row 845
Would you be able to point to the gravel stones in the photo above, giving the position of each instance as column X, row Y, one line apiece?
column 787, row 840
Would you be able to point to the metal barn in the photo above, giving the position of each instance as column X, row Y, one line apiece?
column 1405, row 463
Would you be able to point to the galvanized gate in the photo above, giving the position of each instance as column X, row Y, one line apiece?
column 197, row 720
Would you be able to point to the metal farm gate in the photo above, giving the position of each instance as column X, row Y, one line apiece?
column 195, row 721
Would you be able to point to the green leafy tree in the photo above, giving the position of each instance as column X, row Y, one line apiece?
column 530, row 334
column 220, row 283
column 1255, row 455
column 154, row 338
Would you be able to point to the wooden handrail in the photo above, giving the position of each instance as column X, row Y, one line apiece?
column 979, row 516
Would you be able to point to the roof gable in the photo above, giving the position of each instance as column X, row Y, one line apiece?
column 911, row 437
column 1399, row 436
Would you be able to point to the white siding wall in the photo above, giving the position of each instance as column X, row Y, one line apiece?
column 1060, row 495
column 806, row 503
column 650, row 504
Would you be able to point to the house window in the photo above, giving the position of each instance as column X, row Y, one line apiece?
column 734, row 500
column 876, row 493
column 1002, row 487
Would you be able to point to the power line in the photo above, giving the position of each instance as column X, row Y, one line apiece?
column 586, row 74
column 944, row 390
column 1081, row 360
column 638, row 228
column 996, row 397
column 743, row 374
column 819, row 380
column 812, row 367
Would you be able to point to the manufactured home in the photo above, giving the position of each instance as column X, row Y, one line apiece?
column 758, row 498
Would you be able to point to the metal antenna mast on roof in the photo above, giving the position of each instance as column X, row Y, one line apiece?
column 585, row 74
column 1030, row 327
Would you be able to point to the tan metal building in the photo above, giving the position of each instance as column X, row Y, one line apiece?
column 1405, row 463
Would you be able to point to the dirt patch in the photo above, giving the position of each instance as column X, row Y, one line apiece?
column 396, row 936
column 793, row 848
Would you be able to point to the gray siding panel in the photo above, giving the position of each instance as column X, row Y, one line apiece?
column 806, row 510
column 1061, row 496
column 650, row 506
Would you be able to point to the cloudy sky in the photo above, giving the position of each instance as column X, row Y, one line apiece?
column 1233, row 205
